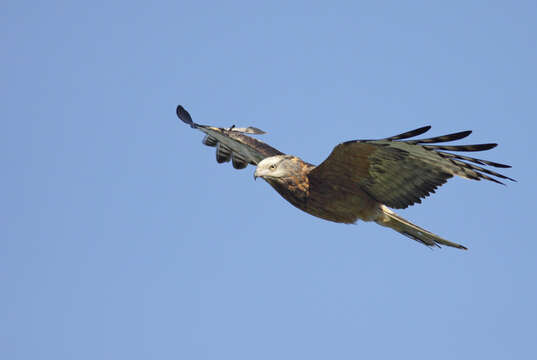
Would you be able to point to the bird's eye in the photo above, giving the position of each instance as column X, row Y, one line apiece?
column 272, row 167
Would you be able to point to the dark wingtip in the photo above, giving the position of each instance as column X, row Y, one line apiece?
column 464, row 134
column 487, row 146
column 409, row 134
column 184, row 115
column 498, row 165
column 423, row 129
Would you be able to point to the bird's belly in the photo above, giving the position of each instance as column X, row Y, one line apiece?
column 337, row 204
column 343, row 207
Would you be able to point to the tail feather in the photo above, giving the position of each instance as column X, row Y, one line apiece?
column 414, row 232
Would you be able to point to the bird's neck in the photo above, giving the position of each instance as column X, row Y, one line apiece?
column 294, row 189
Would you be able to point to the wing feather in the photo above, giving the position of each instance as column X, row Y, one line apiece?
column 401, row 173
column 409, row 134
column 478, row 147
column 443, row 138
column 232, row 143
column 474, row 160
column 209, row 141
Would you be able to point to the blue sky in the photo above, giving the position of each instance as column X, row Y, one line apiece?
column 122, row 237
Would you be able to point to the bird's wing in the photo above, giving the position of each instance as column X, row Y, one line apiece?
column 232, row 143
column 399, row 172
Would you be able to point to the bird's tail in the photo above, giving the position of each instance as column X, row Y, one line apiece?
column 405, row 227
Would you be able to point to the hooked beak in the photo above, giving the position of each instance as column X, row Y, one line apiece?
column 263, row 173
column 257, row 173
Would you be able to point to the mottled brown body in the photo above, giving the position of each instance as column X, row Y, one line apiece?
column 343, row 202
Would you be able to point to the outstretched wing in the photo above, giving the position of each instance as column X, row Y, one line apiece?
column 232, row 144
column 399, row 172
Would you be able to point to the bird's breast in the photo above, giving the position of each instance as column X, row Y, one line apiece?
column 331, row 202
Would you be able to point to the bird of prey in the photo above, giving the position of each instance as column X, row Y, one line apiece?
column 360, row 179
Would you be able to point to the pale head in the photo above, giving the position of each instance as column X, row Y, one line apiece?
column 278, row 167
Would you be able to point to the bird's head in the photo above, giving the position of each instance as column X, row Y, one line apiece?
column 278, row 167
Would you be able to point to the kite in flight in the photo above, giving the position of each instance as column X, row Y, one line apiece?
column 360, row 179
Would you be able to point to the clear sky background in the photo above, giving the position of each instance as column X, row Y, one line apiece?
column 121, row 238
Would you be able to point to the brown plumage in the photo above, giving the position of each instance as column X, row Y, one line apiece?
column 360, row 179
